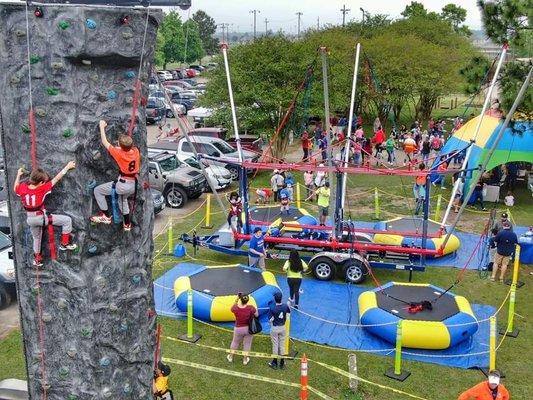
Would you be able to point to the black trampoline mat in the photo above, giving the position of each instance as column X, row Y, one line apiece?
column 270, row 214
column 443, row 308
column 412, row 224
column 227, row 281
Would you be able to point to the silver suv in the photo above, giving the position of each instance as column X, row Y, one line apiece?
column 176, row 180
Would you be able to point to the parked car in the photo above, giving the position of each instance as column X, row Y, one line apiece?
column 176, row 180
column 177, row 98
column 165, row 75
column 218, row 176
column 178, row 74
column 7, row 271
column 194, row 84
column 169, row 111
column 191, row 73
column 5, row 222
column 158, row 200
column 212, row 65
column 199, row 68
column 248, row 142
column 218, row 152
column 155, row 110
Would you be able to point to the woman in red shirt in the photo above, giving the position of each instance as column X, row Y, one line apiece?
column 243, row 313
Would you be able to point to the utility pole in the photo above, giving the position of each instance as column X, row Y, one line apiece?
column 299, row 14
column 363, row 12
column 317, row 23
column 254, row 12
column 225, row 31
column 344, row 11
column 266, row 27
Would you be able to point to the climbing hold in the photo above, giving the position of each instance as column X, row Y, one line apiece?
column 136, row 279
column 63, row 25
column 124, row 20
column 38, row 12
column 40, row 112
column 111, row 95
column 127, row 388
column 91, row 24
column 128, row 100
column 86, row 332
column 144, row 101
column 72, row 352
column 123, row 327
column 92, row 250
column 104, row 362
column 62, row 304
column 34, row 59
column 67, row 133
column 64, row 372
column 57, row 65
column 100, row 282
column 14, row 79
column 46, row 317
column 25, row 128
column 130, row 74
column 86, row 62
column 107, row 393
column 127, row 34
column 72, row 397
column 52, row 91
column 96, row 155
column 35, row 290
column 113, row 307
column 93, row 77
column 151, row 313
column 20, row 32
column 146, row 185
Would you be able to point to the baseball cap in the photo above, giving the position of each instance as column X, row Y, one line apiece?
column 494, row 377
column 257, row 229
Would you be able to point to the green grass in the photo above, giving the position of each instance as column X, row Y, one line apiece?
column 427, row 380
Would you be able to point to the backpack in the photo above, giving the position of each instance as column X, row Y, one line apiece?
column 436, row 143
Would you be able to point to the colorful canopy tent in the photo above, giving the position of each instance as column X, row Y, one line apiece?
column 515, row 145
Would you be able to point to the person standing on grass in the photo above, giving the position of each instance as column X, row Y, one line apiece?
column 491, row 389
column 390, row 145
column 276, row 183
column 425, row 149
column 409, row 146
column 256, row 250
column 277, row 317
column 243, row 313
column 323, row 194
column 307, row 145
column 478, row 195
column 419, row 188
column 308, row 182
column 357, row 151
column 506, row 241
column 294, row 267
column 378, row 140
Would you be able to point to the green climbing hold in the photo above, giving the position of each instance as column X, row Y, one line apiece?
column 52, row 91
column 34, row 59
column 25, row 128
column 86, row 332
column 63, row 25
column 67, row 133
column 72, row 397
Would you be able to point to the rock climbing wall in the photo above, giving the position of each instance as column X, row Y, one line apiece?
column 87, row 317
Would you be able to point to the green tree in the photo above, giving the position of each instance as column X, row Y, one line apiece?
column 206, row 28
column 510, row 21
column 455, row 15
column 415, row 9
column 193, row 49
column 475, row 74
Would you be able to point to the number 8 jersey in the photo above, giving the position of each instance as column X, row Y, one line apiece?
column 33, row 198
column 129, row 162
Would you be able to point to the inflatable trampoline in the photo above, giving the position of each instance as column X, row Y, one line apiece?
column 270, row 219
column 412, row 226
column 214, row 290
column 449, row 322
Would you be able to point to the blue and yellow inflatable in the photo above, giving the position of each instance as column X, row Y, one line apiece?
column 449, row 322
column 414, row 225
column 215, row 288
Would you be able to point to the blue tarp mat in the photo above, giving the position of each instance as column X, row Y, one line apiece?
column 330, row 304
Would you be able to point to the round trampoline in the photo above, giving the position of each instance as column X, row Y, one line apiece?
column 447, row 322
column 269, row 217
column 411, row 231
column 214, row 290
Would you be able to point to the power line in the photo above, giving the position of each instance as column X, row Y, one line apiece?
column 344, row 11
column 299, row 14
column 225, row 29
column 254, row 12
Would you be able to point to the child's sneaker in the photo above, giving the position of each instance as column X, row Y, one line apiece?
column 68, row 246
column 37, row 260
column 101, row 218
column 126, row 227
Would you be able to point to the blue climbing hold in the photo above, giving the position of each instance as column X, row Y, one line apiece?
column 130, row 74
column 179, row 250
column 111, row 95
column 91, row 24
column 92, row 250
column 104, row 362
column 123, row 327
column 136, row 279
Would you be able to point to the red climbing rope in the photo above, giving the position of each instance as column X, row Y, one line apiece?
column 135, row 105
column 157, row 345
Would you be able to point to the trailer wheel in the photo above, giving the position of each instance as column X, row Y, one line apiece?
column 323, row 268
column 354, row 271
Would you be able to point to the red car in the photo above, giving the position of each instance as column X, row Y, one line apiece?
column 191, row 73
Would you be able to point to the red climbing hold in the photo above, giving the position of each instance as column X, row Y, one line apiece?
column 146, row 185
column 151, row 313
column 38, row 12
column 144, row 101
column 124, row 20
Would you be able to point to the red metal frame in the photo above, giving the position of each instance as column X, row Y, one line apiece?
column 335, row 245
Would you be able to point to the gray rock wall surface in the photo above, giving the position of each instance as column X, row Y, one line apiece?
column 97, row 303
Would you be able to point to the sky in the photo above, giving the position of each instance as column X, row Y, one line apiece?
column 282, row 13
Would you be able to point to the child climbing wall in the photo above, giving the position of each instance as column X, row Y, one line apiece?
column 87, row 317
